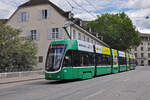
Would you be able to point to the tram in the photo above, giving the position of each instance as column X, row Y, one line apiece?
column 76, row 59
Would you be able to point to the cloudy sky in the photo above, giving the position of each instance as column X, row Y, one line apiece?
column 137, row 10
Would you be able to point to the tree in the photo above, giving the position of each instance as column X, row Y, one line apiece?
column 16, row 53
column 117, row 30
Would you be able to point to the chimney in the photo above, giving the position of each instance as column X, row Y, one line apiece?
column 81, row 24
column 90, row 29
column 71, row 15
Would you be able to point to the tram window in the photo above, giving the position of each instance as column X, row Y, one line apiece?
column 122, row 61
column 67, row 59
column 114, row 60
column 103, row 59
column 131, row 61
column 78, row 59
column 88, row 59
column 82, row 59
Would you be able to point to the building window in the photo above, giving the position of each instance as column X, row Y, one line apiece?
column 148, row 49
column 148, row 43
column 92, row 41
column 149, row 62
column 135, row 48
column 24, row 16
column 142, row 43
column 40, row 59
column 142, row 62
column 55, row 33
column 141, row 48
column 79, row 36
column 84, row 38
column 88, row 39
column 44, row 14
column 74, row 34
column 148, row 55
column 142, row 54
column 33, row 34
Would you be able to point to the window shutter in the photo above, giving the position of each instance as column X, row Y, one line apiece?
column 72, row 36
column 39, row 14
column 48, row 13
column 28, row 34
column 60, row 33
column 38, row 35
column 27, row 16
column 19, row 17
column 77, row 35
column 49, row 34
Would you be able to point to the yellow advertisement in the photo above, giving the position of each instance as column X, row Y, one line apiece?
column 127, row 59
column 115, row 58
column 105, row 50
column 115, row 52
column 131, row 56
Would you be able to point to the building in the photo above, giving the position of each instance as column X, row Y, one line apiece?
column 3, row 21
column 43, row 21
column 142, row 52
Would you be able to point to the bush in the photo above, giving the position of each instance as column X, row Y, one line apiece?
column 16, row 53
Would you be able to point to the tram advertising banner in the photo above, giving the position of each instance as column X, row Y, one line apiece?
column 130, row 56
column 122, row 54
column 84, row 46
column 102, row 50
column 127, row 54
column 133, row 56
column 115, row 58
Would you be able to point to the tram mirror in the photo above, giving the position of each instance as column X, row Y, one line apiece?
column 66, row 57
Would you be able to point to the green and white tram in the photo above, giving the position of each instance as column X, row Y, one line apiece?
column 70, row 59
column 75, row 59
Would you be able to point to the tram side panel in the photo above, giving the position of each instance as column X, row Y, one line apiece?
column 115, row 66
column 121, row 61
column 131, row 61
column 127, row 62
column 103, row 60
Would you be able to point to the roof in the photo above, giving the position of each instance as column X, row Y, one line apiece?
column 39, row 2
column 100, row 41
column 144, row 34
column 3, row 20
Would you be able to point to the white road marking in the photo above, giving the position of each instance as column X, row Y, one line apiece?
column 126, row 80
column 92, row 95
column 148, row 84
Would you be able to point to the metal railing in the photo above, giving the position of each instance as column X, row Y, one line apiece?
column 21, row 74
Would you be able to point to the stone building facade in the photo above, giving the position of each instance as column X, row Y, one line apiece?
column 142, row 52
column 43, row 21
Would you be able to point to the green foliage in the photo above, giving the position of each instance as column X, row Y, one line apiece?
column 117, row 30
column 16, row 53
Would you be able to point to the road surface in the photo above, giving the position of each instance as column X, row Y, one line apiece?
column 131, row 85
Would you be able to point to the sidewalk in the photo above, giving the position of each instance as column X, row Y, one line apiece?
column 21, row 79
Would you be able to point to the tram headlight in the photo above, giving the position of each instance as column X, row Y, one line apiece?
column 65, row 71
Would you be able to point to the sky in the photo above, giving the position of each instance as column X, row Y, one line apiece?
column 137, row 10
